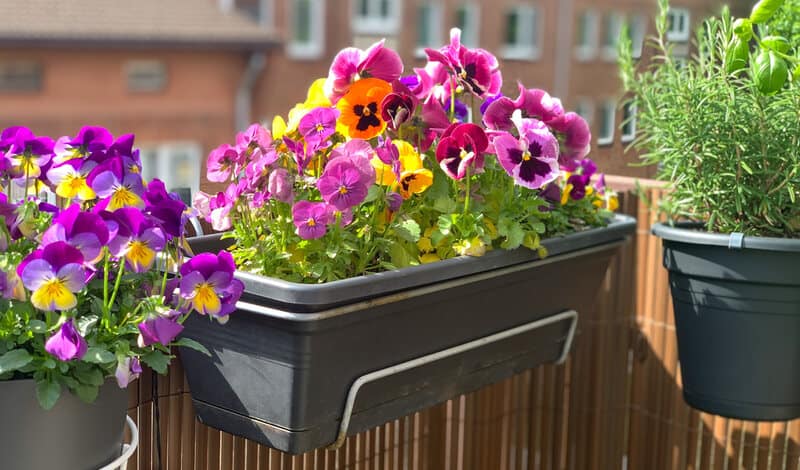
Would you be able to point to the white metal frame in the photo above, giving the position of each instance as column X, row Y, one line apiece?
column 314, row 48
column 570, row 315
column 608, row 112
column 121, row 462
column 674, row 33
column 520, row 50
column 435, row 23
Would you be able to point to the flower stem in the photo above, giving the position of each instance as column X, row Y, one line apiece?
column 117, row 282
column 468, row 188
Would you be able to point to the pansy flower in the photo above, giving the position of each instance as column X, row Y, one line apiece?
column 166, row 209
column 53, row 274
column 360, row 108
column 579, row 175
column 138, row 239
column 398, row 107
column 531, row 102
column 122, row 188
column 207, row 281
column 318, row 124
column 158, row 330
column 85, row 231
column 280, row 185
column 411, row 176
column 341, row 184
column 352, row 64
column 532, row 160
column 311, row 219
column 67, row 344
column 128, row 370
column 254, row 142
column 476, row 70
column 461, row 147
column 222, row 162
column 577, row 137
column 28, row 156
column 69, row 179
column 89, row 140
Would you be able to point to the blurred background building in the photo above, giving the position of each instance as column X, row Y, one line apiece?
column 185, row 75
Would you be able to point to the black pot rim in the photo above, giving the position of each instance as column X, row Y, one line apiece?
column 687, row 232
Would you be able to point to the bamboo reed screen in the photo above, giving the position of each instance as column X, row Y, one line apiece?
column 616, row 404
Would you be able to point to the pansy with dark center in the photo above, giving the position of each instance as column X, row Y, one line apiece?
column 360, row 108
column 207, row 281
column 122, row 188
column 476, row 70
column 53, row 274
column 532, row 160
column 352, row 64
column 461, row 147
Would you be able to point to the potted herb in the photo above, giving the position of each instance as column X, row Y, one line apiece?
column 391, row 218
column 723, row 128
column 86, row 296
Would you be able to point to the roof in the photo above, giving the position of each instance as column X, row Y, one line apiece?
column 129, row 23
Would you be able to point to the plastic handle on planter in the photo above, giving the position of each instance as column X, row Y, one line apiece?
column 121, row 463
column 736, row 242
column 570, row 315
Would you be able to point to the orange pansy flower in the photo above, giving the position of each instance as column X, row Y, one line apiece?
column 360, row 108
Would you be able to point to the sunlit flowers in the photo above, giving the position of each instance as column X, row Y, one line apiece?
column 311, row 219
column 207, row 282
column 532, row 160
column 67, row 344
column 352, row 64
column 461, row 148
column 360, row 108
column 54, row 274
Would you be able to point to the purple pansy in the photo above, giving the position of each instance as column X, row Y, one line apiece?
column 67, row 344
column 207, row 281
column 318, row 124
column 341, row 185
column 28, row 155
column 85, row 231
column 166, row 209
column 462, row 146
column 476, row 70
column 89, row 140
column 53, row 274
column 110, row 180
column 254, row 143
column 281, row 186
column 582, row 172
column 128, row 370
column 222, row 162
column 158, row 330
column 398, row 107
column 532, row 160
column 352, row 63
column 138, row 239
column 311, row 219
column 70, row 179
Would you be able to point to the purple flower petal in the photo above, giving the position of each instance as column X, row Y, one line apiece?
column 66, row 344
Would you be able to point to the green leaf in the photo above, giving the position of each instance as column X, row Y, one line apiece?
column 763, row 10
column 47, row 392
column 14, row 360
column 373, row 193
column 746, row 168
column 409, row 230
column 37, row 326
column 157, row 360
column 87, row 393
column 96, row 355
column 445, row 224
column 776, row 43
column 513, row 232
column 400, row 256
column 771, row 72
column 192, row 344
column 736, row 55
column 743, row 29
column 89, row 376
column 85, row 323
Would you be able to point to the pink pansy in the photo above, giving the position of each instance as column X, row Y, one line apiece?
column 254, row 143
column 281, row 186
column 533, row 103
column 311, row 219
column 461, row 147
column 222, row 162
column 532, row 160
column 318, row 124
column 352, row 64
column 475, row 70
column 577, row 137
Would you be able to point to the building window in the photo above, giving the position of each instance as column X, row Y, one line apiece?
column 379, row 17
column 307, row 22
column 429, row 27
column 678, row 24
column 637, row 30
column 612, row 26
column 584, row 107
column 177, row 164
column 628, row 127
column 20, row 76
column 468, row 21
column 521, row 34
column 146, row 76
column 607, row 123
column 586, row 42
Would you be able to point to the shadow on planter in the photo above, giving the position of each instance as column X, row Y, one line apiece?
column 282, row 368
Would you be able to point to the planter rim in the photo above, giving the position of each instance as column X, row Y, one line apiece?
column 686, row 232
column 306, row 298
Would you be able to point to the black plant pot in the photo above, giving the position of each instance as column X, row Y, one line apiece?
column 299, row 366
column 737, row 316
column 72, row 436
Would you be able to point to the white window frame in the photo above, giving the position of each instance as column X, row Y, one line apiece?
column 162, row 153
column 373, row 22
column 435, row 32
column 606, row 108
column 673, row 17
column 519, row 51
column 585, row 108
column 471, row 32
column 628, row 108
column 314, row 48
column 637, row 31
column 587, row 52
column 10, row 68
column 612, row 26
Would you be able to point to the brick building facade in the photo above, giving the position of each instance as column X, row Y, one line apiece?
column 185, row 74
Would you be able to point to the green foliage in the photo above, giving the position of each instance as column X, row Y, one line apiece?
column 723, row 129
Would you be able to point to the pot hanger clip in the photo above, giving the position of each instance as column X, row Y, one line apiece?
column 736, row 241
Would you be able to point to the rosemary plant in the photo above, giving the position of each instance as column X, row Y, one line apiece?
column 723, row 126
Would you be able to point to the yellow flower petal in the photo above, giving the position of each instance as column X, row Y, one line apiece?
column 278, row 127
column 316, row 94
column 206, row 299
column 53, row 295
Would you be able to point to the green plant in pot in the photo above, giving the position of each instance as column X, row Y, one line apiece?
column 724, row 128
column 93, row 286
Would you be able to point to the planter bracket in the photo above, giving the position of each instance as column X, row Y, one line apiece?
column 736, row 242
column 570, row 315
